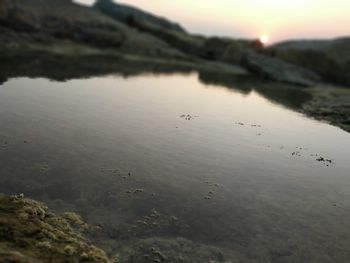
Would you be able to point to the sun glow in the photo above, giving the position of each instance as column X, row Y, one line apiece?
column 264, row 39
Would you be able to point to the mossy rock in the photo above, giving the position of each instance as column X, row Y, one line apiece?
column 31, row 233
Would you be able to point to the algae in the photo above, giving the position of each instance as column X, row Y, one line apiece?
column 31, row 233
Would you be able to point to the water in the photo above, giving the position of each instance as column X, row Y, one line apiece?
column 241, row 175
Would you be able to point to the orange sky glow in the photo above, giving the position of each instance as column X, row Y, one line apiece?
column 278, row 19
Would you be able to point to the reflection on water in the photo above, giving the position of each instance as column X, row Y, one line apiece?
column 290, row 96
column 239, row 174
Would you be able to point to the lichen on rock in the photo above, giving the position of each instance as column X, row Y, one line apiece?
column 29, row 232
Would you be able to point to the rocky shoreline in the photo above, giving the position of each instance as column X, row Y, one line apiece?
column 110, row 37
column 330, row 104
column 323, row 102
column 31, row 233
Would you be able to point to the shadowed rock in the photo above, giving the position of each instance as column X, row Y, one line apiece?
column 331, row 104
column 170, row 32
column 277, row 69
column 229, row 50
column 49, row 21
column 329, row 58
column 128, row 15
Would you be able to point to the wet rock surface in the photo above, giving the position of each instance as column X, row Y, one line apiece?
column 330, row 104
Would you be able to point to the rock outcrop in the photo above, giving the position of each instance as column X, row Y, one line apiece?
column 129, row 15
column 277, row 69
column 49, row 21
column 328, row 58
column 170, row 32
column 229, row 50
column 30, row 233
column 331, row 104
column 129, row 31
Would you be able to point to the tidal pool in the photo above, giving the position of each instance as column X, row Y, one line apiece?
column 166, row 159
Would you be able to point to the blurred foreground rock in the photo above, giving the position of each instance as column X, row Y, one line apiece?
column 29, row 232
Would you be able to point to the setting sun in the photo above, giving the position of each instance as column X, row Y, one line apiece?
column 264, row 39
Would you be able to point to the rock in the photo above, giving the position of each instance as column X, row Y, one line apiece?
column 277, row 69
column 228, row 50
column 171, row 33
column 331, row 104
column 30, row 233
column 48, row 21
column 138, row 191
column 130, row 15
column 328, row 58
column 65, row 20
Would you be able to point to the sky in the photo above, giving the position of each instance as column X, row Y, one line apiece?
column 278, row 19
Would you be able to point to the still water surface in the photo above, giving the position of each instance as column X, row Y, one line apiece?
column 240, row 173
